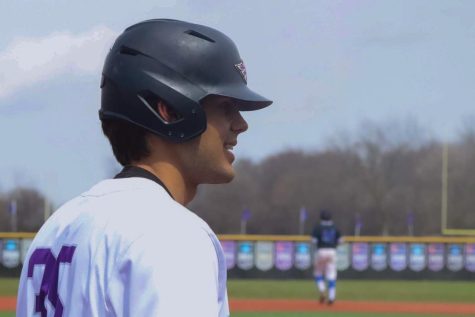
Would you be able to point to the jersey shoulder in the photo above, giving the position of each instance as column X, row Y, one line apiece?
column 144, row 208
column 117, row 212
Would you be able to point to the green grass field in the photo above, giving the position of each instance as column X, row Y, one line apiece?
column 8, row 287
column 411, row 291
column 322, row 314
column 418, row 291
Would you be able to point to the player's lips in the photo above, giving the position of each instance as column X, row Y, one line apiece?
column 229, row 146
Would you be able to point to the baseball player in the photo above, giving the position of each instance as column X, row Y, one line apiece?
column 326, row 238
column 172, row 93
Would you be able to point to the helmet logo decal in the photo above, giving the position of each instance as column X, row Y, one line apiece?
column 242, row 70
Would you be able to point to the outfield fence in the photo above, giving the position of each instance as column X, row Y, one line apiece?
column 378, row 257
column 286, row 256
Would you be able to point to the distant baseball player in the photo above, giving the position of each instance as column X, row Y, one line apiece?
column 172, row 93
column 326, row 238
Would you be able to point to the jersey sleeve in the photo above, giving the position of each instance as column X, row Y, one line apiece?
column 176, row 277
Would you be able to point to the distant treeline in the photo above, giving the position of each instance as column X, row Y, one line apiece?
column 385, row 177
column 22, row 209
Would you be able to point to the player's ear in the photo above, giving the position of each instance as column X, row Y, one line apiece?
column 166, row 113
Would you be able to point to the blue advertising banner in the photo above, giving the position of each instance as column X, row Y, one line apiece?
column 229, row 250
column 398, row 256
column 264, row 255
column 379, row 256
column 470, row 257
column 11, row 253
column 454, row 257
column 303, row 255
column 343, row 257
column 245, row 255
column 417, row 257
column 284, row 251
column 435, row 256
column 360, row 256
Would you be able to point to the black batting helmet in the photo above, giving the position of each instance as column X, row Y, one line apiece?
column 179, row 63
column 325, row 215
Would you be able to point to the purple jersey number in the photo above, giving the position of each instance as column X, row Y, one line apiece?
column 49, row 283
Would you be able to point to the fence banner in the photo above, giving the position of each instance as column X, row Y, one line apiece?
column 435, row 256
column 264, row 255
column 245, row 255
column 454, row 257
column 284, row 251
column 343, row 259
column 24, row 246
column 11, row 253
column 417, row 256
column 303, row 255
column 360, row 256
column 470, row 257
column 398, row 256
column 229, row 249
column 379, row 256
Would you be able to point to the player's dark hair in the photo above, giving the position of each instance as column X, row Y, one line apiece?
column 128, row 141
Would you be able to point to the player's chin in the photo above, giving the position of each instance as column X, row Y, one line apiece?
column 224, row 174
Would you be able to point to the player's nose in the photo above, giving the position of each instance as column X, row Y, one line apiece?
column 239, row 124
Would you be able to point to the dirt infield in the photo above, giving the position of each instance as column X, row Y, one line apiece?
column 283, row 305
column 7, row 303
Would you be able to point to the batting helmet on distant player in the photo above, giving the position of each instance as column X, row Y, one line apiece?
column 179, row 63
column 325, row 215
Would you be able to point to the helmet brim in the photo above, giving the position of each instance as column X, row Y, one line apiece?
column 247, row 100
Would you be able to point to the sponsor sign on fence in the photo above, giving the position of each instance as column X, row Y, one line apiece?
column 284, row 251
column 379, row 256
column 229, row 249
column 245, row 255
column 24, row 246
column 397, row 256
column 454, row 257
column 264, row 255
column 435, row 256
column 470, row 257
column 11, row 253
column 343, row 257
column 360, row 256
column 303, row 255
column 417, row 257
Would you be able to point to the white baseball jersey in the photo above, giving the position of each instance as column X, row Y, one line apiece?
column 124, row 248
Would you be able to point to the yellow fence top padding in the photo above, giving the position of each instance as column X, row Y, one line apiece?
column 426, row 239
column 298, row 238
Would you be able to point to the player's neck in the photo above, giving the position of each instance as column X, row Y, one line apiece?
column 172, row 178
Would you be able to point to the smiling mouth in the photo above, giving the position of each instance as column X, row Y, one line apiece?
column 229, row 147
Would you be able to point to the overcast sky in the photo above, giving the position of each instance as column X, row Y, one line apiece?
column 328, row 66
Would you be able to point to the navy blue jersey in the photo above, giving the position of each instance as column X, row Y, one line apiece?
column 326, row 234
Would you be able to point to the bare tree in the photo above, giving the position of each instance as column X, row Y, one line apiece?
column 29, row 208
